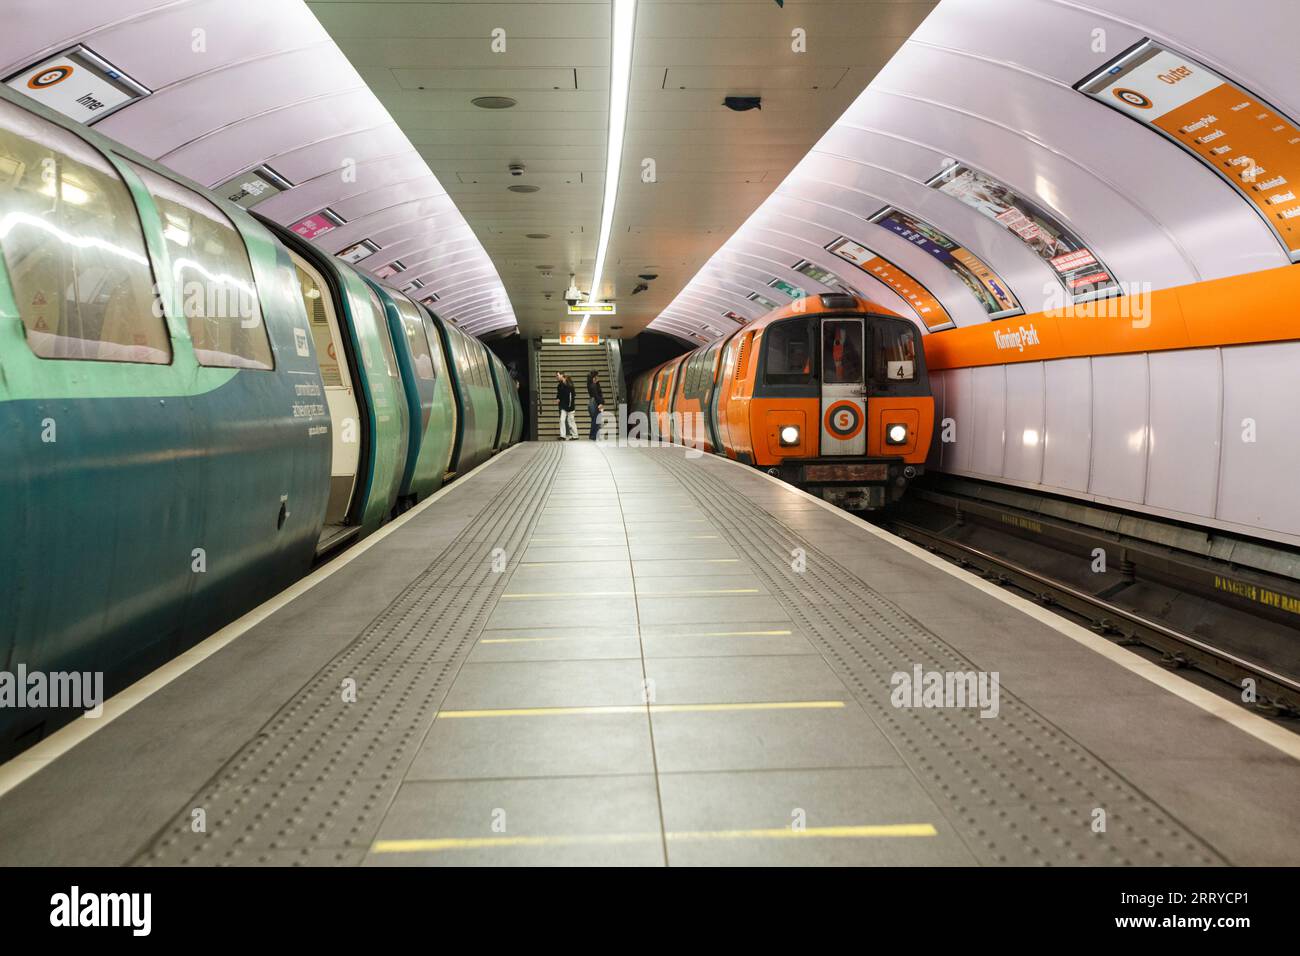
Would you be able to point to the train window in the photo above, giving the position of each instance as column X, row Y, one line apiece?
column 708, row 366
column 416, row 340
column 74, row 249
column 895, row 351
column 385, row 340
column 728, row 351
column 212, row 276
column 789, row 353
column 471, row 370
column 315, row 300
column 841, row 352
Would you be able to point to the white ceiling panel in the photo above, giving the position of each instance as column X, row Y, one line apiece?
column 713, row 167
column 240, row 83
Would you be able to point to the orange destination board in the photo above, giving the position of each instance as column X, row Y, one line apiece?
column 1246, row 141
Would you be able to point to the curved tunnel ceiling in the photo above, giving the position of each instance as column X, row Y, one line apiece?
column 427, row 61
column 980, row 84
column 241, row 83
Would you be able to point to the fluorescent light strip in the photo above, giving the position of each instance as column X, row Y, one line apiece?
column 620, row 81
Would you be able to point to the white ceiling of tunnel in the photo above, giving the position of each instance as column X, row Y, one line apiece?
column 990, row 83
column 427, row 60
column 383, row 88
column 241, row 83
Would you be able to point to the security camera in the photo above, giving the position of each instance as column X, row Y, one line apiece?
column 574, row 295
column 516, row 169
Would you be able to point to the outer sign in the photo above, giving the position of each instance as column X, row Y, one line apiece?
column 844, row 420
column 47, row 78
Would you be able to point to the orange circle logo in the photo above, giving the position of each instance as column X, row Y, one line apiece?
column 1132, row 98
column 843, row 420
column 47, row 78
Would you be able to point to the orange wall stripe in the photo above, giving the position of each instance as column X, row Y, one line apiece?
column 1238, row 310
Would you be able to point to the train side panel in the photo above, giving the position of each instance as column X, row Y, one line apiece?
column 503, row 385
column 425, row 466
column 476, row 398
column 379, row 379
column 440, row 436
column 165, row 464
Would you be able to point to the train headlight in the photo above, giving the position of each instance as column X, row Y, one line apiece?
column 896, row 434
column 789, row 435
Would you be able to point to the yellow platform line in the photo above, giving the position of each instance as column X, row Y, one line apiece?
column 569, row 594
column 728, row 634
column 640, row 709
column 569, row 564
column 566, row 637
column 693, row 560
column 697, row 592
column 610, row 542
column 869, row 831
column 534, row 640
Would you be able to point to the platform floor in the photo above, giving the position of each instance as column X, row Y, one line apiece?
column 586, row 654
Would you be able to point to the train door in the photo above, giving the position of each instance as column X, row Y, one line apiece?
column 844, row 391
column 340, row 396
column 711, row 395
column 742, row 390
column 722, row 397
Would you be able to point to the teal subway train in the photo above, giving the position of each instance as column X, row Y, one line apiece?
column 195, row 406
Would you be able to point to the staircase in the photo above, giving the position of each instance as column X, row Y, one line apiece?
column 576, row 361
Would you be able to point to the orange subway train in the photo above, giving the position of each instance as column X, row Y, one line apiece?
column 829, row 393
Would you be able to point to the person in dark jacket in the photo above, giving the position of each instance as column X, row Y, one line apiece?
column 595, row 403
column 568, row 404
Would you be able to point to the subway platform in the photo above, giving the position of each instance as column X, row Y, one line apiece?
column 590, row 654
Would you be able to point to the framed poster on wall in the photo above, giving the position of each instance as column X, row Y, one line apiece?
column 993, row 295
column 1251, row 145
column 1077, row 267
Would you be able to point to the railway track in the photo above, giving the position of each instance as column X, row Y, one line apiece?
column 1274, row 694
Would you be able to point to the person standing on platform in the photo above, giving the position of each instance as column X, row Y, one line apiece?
column 595, row 403
column 568, row 404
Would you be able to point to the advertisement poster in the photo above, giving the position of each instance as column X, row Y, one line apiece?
column 927, row 307
column 793, row 291
column 824, row 276
column 1246, row 141
column 1082, row 273
column 315, row 225
column 79, row 84
column 361, row 250
column 248, row 189
column 994, row 295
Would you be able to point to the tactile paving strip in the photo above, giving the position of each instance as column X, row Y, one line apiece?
column 1016, row 788
column 313, row 785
